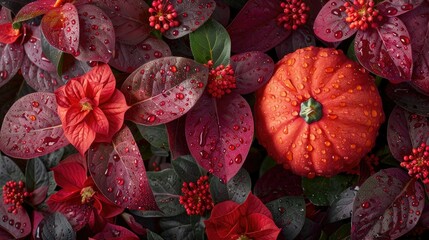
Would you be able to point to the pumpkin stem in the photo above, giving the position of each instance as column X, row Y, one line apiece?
column 311, row 110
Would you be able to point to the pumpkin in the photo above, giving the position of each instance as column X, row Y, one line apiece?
column 319, row 114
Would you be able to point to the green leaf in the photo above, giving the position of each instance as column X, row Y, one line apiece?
column 153, row 236
column 211, row 42
column 36, row 175
column 155, row 135
column 237, row 189
column 167, row 188
column 187, row 168
column 324, row 191
column 53, row 54
column 182, row 227
column 56, row 226
column 342, row 207
column 9, row 171
column 288, row 214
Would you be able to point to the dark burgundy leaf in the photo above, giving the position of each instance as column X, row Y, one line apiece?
column 9, row 171
column 36, row 180
column 130, row 19
column 219, row 133
column 277, row 182
column 251, row 70
column 177, row 138
column 406, row 131
column 34, row 9
column 39, row 79
column 11, row 57
column 417, row 22
column 300, row 38
column 97, row 36
column 18, row 225
column 119, row 172
column 130, row 57
column 133, row 224
column 237, row 189
column 56, row 226
column 32, row 128
column 60, row 26
column 387, row 205
column 221, row 13
column 111, row 231
column 342, row 208
column 14, row 5
column 288, row 214
column 77, row 214
column 33, row 50
column 330, row 24
column 397, row 7
column 54, row 55
column 5, row 15
column 163, row 90
column 255, row 27
column 191, row 15
column 386, row 51
column 408, row 98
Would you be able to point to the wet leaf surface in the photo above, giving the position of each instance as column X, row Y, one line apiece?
column 177, row 138
column 11, row 57
column 408, row 98
column 56, row 226
column 237, row 189
column 33, row 51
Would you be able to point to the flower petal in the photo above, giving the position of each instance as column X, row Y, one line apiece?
column 8, row 34
column 261, row 227
column 98, row 122
column 74, row 91
column 106, row 208
column 115, row 111
column 80, row 136
column 70, row 175
column 73, row 115
column 102, row 82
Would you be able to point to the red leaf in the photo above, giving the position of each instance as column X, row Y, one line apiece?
column 39, row 79
column 111, row 232
column 8, row 34
column 397, row 7
column 18, row 225
column 177, row 138
column 133, row 224
column 33, row 49
column 129, row 18
column 81, row 136
column 255, row 27
column 251, row 70
column 32, row 128
column 71, row 174
column 130, row 57
column 96, row 37
column 119, row 173
column 386, row 50
column 60, row 26
column 163, row 90
column 34, row 9
column 406, row 131
column 330, row 24
column 219, row 133
column 191, row 15
column 387, row 205
column 417, row 22
column 11, row 57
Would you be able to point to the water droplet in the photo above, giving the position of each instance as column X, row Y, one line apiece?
column 338, row 34
column 404, row 40
column 35, row 104
column 180, row 96
column 120, row 181
column 40, row 149
column 116, row 157
column 108, row 169
column 231, row 147
column 92, row 48
column 238, row 159
column 407, row 7
column 391, row 11
column 175, row 32
column 151, row 118
column 281, row 209
column 3, row 75
column 365, row 205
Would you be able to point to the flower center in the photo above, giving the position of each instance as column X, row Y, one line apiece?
column 86, row 104
column 196, row 198
column 311, row 110
column 221, row 80
column 417, row 163
column 86, row 193
column 243, row 237
column 295, row 13
column 14, row 193
column 362, row 14
column 163, row 15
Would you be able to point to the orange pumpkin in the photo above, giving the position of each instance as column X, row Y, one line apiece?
column 319, row 114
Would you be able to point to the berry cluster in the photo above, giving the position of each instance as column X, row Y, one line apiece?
column 362, row 14
column 295, row 13
column 196, row 198
column 163, row 15
column 221, row 80
column 14, row 193
column 417, row 163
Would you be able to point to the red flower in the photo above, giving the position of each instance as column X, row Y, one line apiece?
column 91, row 108
column 79, row 199
column 250, row 220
